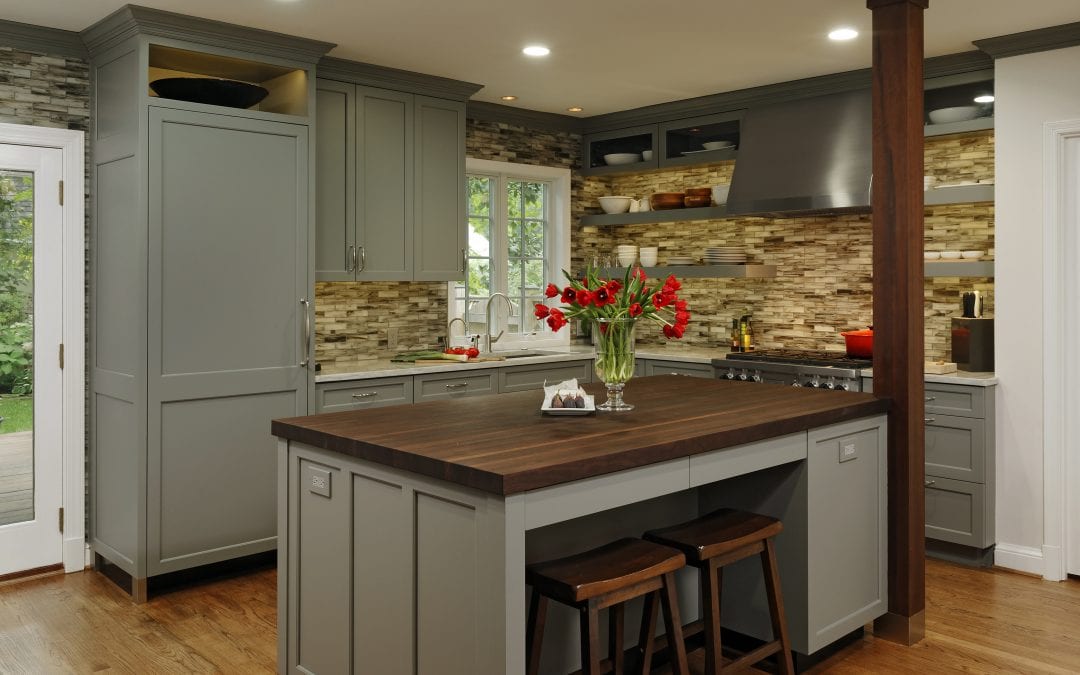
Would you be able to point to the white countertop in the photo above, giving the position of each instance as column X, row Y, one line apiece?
column 363, row 370
column 959, row 377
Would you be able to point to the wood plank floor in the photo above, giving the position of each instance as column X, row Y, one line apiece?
column 16, row 477
column 977, row 621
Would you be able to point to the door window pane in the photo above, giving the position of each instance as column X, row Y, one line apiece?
column 16, row 347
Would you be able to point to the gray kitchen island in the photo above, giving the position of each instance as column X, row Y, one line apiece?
column 404, row 532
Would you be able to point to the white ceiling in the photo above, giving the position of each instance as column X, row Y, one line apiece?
column 607, row 55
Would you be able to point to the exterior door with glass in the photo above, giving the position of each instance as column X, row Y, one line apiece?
column 31, row 323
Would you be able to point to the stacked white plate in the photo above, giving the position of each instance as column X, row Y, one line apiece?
column 680, row 260
column 724, row 255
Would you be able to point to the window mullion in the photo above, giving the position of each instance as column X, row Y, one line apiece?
column 499, row 252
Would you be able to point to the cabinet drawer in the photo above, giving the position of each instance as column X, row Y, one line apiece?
column 659, row 367
column 454, row 385
column 956, row 512
column 356, row 394
column 956, row 447
column 952, row 399
column 527, row 378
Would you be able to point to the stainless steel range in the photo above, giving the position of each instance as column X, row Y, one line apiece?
column 795, row 368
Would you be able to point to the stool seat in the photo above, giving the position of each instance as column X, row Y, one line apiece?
column 716, row 534
column 618, row 565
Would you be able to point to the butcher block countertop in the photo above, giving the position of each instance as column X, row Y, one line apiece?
column 502, row 444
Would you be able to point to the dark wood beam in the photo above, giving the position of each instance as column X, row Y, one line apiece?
column 898, row 298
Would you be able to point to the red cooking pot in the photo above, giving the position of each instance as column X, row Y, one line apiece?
column 859, row 343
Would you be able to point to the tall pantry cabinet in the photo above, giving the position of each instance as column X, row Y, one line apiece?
column 201, row 288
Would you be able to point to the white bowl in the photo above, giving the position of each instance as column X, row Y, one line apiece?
column 717, row 145
column 971, row 255
column 950, row 255
column 720, row 193
column 959, row 113
column 646, row 155
column 617, row 158
column 615, row 204
column 648, row 261
column 931, row 255
column 626, row 260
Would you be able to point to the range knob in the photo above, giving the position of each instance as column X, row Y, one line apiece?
column 814, row 383
column 843, row 386
column 796, row 383
column 730, row 374
column 743, row 376
column 757, row 377
column 831, row 384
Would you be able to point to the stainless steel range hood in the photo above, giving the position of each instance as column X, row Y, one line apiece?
column 804, row 157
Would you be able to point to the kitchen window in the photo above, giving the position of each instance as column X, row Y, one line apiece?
column 518, row 242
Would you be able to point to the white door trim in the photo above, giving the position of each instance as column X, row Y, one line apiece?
column 1061, row 366
column 72, row 144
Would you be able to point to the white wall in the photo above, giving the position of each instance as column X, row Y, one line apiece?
column 1031, row 90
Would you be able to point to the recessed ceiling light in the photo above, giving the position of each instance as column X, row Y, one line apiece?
column 575, row 108
column 508, row 98
column 841, row 34
column 536, row 50
column 985, row 98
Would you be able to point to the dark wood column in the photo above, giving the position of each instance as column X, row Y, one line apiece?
column 898, row 298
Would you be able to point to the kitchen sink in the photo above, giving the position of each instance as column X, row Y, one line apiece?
column 523, row 353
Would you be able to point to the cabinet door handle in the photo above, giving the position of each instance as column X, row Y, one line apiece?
column 457, row 385
column 306, row 305
column 929, row 483
column 350, row 258
column 366, row 394
column 931, row 398
column 363, row 259
column 929, row 420
column 464, row 260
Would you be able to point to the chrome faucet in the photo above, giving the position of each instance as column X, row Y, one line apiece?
column 492, row 339
column 450, row 328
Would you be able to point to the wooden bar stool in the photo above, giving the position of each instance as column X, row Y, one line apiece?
column 605, row 577
column 719, row 539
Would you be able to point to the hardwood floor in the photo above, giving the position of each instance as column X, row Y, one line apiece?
column 977, row 621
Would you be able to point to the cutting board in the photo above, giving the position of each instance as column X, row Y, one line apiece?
column 939, row 368
column 443, row 362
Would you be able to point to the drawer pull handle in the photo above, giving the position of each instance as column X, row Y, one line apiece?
column 366, row 394
column 929, row 483
column 931, row 398
column 929, row 420
column 457, row 385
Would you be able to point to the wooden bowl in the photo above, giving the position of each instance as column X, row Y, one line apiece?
column 697, row 201
column 699, row 192
column 666, row 200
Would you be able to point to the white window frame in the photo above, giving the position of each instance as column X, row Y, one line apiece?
column 558, row 244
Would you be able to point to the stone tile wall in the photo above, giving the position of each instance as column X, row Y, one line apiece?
column 44, row 90
column 823, row 285
column 824, row 276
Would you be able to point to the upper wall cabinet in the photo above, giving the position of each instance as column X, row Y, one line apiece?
column 619, row 151
column 390, row 188
column 959, row 103
column 713, row 138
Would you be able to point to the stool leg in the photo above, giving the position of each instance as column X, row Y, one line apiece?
column 615, row 638
column 776, row 607
column 673, row 623
column 534, row 635
column 712, row 579
column 646, row 638
column 590, row 639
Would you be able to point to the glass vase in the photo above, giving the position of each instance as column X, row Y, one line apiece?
column 614, row 339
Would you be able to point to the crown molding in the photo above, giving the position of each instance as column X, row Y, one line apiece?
column 51, row 41
column 1032, row 41
column 355, row 72
column 531, row 119
column 131, row 20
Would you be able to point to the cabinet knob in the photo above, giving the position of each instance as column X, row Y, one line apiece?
column 931, row 398
column 929, row 420
column 929, row 483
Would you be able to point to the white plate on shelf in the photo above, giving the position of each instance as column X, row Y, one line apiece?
column 694, row 152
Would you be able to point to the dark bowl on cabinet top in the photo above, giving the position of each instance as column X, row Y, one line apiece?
column 213, row 91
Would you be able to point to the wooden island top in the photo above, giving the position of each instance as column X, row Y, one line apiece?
column 502, row 444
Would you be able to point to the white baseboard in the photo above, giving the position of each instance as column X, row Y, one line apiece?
column 1020, row 558
column 74, row 554
column 1053, row 563
column 89, row 556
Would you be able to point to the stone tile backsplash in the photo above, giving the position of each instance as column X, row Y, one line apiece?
column 823, row 284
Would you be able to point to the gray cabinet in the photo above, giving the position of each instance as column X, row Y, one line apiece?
column 454, row 385
column 531, row 377
column 959, row 470
column 391, row 185
column 665, row 367
column 200, row 288
column 359, row 394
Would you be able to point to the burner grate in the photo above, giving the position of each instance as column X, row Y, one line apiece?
column 803, row 357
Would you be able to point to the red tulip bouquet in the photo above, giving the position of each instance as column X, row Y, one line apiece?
column 614, row 308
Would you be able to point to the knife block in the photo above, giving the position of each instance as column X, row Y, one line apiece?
column 973, row 344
